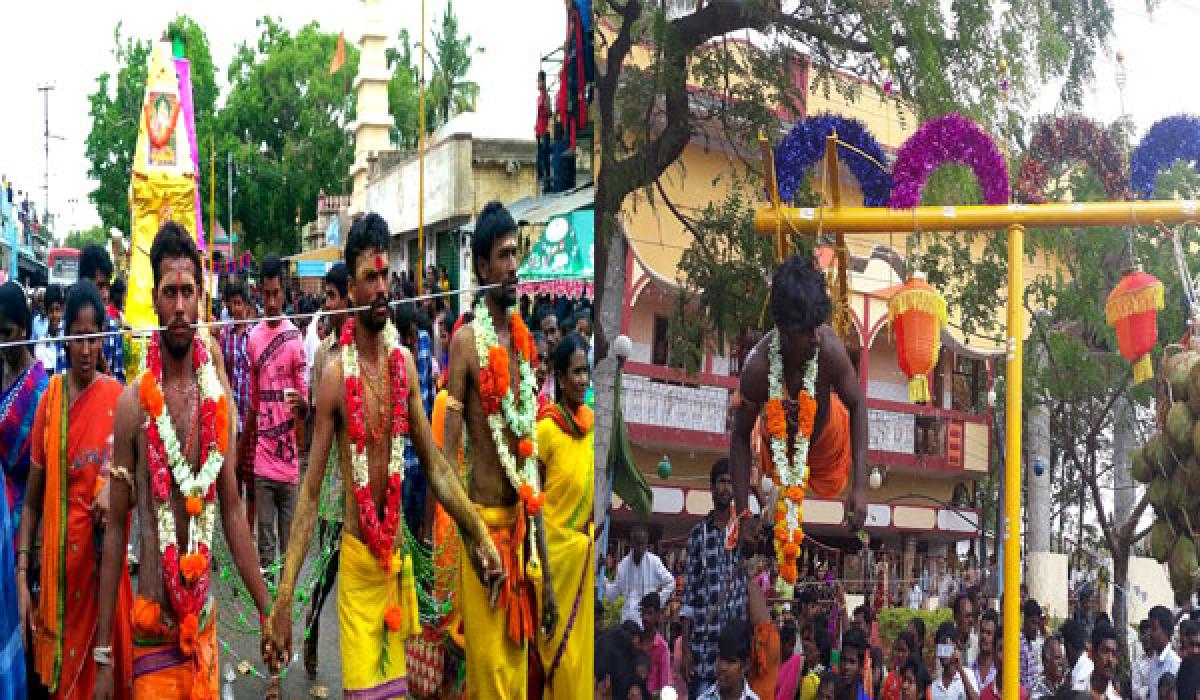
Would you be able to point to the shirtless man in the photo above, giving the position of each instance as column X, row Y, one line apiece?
column 497, row 638
column 800, row 306
column 376, row 605
column 178, row 650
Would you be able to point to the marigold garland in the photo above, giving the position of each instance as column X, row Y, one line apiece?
column 789, row 471
column 379, row 536
column 185, row 574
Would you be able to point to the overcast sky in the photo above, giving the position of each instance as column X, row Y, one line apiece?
column 70, row 43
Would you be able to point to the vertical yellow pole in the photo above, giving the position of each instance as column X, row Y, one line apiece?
column 1011, row 612
column 421, row 165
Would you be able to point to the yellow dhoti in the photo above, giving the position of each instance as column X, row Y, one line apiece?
column 372, row 656
column 497, row 639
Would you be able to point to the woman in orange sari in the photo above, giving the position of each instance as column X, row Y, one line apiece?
column 71, row 456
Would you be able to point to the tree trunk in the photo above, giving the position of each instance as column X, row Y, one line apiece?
column 1124, row 441
column 1038, row 498
column 1120, row 610
column 610, row 303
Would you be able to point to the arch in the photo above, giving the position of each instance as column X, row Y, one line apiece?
column 804, row 146
column 951, row 138
column 1073, row 138
column 1168, row 140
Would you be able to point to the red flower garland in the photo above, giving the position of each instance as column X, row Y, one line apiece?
column 380, row 538
column 187, row 597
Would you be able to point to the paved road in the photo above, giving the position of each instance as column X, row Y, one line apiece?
column 245, row 646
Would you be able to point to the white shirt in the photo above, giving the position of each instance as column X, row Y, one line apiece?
column 1141, row 667
column 914, row 597
column 954, row 691
column 1165, row 662
column 1081, row 675
column 713, row 693
column 634, row 581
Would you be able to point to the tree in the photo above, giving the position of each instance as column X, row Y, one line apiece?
column 111, row 142
column 283, row 121
column 447, row 90
column 80, row 238
column 115, row 105
column 943, row 56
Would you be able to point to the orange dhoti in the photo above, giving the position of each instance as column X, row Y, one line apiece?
column 498, row 638
column 828, row 456
column 162, row 670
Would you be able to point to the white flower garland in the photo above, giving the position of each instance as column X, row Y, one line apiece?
column 520, row 417
column 350, row 368
column 197, row 484
column 794, row 471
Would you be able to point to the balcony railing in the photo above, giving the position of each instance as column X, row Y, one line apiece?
column 652, row 402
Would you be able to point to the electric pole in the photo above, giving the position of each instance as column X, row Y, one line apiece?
column 45, row 89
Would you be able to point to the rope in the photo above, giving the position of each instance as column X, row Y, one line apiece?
column 234, row 322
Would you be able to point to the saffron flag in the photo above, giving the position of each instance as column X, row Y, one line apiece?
column 339, row 55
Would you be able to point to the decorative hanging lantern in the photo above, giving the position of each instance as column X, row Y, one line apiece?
column 917, row 314
column 1132, row 308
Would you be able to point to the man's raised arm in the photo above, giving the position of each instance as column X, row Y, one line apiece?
column 752, row 393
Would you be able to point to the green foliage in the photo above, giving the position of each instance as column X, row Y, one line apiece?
column 111, row 142
column 447, row 62
column 79, row 239
column 892, row 621
column 283, row 121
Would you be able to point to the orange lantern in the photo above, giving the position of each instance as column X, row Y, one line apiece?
column 918, row 315
column 1132, row 308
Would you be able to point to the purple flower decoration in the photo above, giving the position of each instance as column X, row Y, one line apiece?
column 952, row 138
column 1168, row 140
column 804, row 146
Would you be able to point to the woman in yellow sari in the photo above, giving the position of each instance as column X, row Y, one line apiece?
column 565, row 449
column 71, row 456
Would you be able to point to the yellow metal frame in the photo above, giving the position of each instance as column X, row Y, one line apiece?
column 780, row 221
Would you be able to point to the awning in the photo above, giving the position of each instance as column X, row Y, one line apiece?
column 562, row 261
column 539, row 210
column 327, row 254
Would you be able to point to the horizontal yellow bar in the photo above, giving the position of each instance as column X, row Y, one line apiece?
column 884, row 220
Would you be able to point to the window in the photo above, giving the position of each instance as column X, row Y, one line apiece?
column 660, row 349
column 969, row 383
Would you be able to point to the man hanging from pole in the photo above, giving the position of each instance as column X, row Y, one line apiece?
column 802, row 367
column 493, row 392
column 368, row 397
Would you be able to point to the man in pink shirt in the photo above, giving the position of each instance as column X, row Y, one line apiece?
column 278, row 402
column 653, row 644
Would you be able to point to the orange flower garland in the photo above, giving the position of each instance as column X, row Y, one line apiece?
column 393, row 618
column 522, row 338
column 789, row 458
column 150, row 394
column 193, row 505
column 221, row 424
column 189, row 633
column 776, row 419
column 147, row 617
column 498, row 361
column 192, row 566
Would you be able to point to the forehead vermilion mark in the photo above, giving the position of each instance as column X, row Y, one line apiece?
column 380, row 262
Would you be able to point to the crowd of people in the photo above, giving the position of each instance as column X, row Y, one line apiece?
column 716, row 627
column 723, row 621
column 369, row 398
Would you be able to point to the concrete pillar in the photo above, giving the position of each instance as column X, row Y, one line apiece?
column 1037, row 451
column 1046, row 577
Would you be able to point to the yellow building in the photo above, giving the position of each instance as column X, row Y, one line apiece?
column 928, row 456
